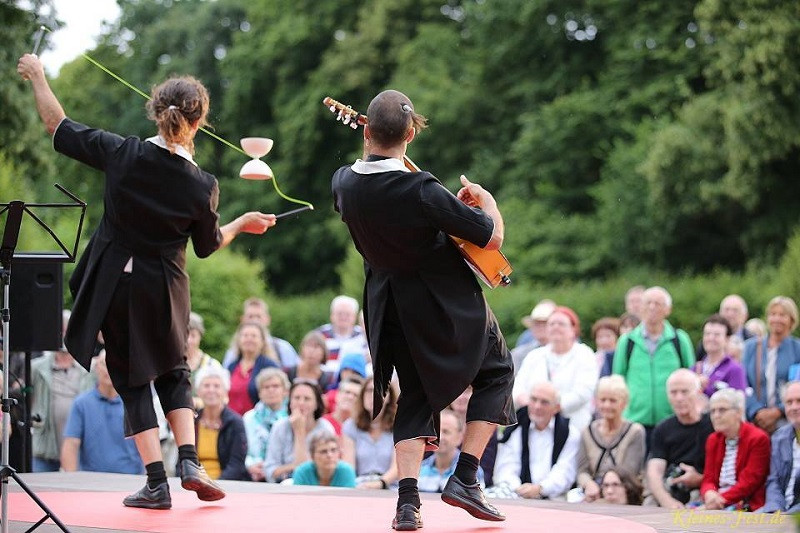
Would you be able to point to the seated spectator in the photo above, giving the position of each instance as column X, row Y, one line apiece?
column 567, row 364
column 342, row 327
column 627, row 323
column 535, row 334
column 279, row 350
column 325, row 469
column 441, row 464
column 737, row 457
column 351, row 366
column 610, row 441
column 346, row 399
column 56, row 380
column 717, row 370
column 646, row 357
column 273, row 402
column 367, row 443
column 783, row 483
column 459, row 406
column 634, row 300
column 94, row 437
column 605, row 333
column 196, row 358
column 757, row 327
column 287, row 446
column 313, row 354
column 733, row 309
column 251, row 341
column 221, row 438
column 538, row 457
column 677, row 458
column 770, row 363
column 620, row 487
column 355, row 345
column 735, row 350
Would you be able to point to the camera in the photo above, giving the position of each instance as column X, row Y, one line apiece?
column 679, row 491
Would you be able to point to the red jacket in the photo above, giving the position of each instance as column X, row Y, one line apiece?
column 752, row 466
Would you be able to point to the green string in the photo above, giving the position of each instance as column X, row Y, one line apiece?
column 210, row 134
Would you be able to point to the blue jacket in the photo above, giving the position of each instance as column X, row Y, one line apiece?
column 788, row 355
column 780, row 471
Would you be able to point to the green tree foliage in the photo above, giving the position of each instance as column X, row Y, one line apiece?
column 661, row 136
column 219, row 285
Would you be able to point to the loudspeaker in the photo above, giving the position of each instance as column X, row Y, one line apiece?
column 37, row 300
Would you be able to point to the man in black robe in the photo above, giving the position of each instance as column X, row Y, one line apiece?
column 425, row 313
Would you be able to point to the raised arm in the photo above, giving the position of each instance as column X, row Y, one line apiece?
column 50, row 110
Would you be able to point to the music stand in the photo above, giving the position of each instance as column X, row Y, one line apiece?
column 15, row 210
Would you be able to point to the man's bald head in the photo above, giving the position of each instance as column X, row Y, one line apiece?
column 390, row 118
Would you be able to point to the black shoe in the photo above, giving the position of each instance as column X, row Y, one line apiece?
column 194, row 477
column 147, row 498
column 471, row 499
column 408, row 518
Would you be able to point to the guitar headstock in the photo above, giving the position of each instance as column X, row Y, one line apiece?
column 345, row 113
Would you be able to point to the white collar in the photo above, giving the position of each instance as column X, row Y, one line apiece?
column 376, row 167
column 551, row 426
column 159, row 141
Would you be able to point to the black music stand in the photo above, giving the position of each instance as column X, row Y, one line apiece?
column 15, row 210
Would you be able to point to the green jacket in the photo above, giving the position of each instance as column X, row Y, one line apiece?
column 646, row 376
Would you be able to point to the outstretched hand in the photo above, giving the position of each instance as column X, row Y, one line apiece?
column 256, row 222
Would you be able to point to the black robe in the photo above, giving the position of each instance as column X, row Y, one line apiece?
column 399, row 222
column 154, row 202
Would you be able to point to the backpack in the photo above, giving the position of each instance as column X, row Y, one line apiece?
column 675, row 342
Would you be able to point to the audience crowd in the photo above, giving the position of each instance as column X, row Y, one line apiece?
column 635, row 415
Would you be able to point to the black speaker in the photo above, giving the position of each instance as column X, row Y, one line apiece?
column 37, row 300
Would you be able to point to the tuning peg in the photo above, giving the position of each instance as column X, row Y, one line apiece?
column 354, row 125
column 346, row 119
column 332, row 108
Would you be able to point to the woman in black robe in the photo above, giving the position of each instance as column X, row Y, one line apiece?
column 131, row 281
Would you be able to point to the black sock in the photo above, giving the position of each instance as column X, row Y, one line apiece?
column 156, row 475
column 407, row 492
column 467, row 468
column 188, row 451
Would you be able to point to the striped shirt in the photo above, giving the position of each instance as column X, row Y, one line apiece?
column 727, row 475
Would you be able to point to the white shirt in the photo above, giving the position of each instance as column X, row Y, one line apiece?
column 554, row 480
column 770, row 372
column 574, row 375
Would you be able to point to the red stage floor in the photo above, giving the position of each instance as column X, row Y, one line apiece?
column 92, row 503
column 295, row 513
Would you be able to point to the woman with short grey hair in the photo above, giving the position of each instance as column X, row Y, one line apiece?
column 221, row 438
column 326, row 467
column 737, row 457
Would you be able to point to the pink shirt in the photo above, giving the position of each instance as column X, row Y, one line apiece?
column 238, row 397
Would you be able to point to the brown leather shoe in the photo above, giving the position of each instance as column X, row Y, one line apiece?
column 471, row 499
column 194, row 477
column 147, row 498
column 407, row 518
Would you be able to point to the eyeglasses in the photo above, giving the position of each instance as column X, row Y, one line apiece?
column 612, row 485
column 331, row 450
column 719, row 410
